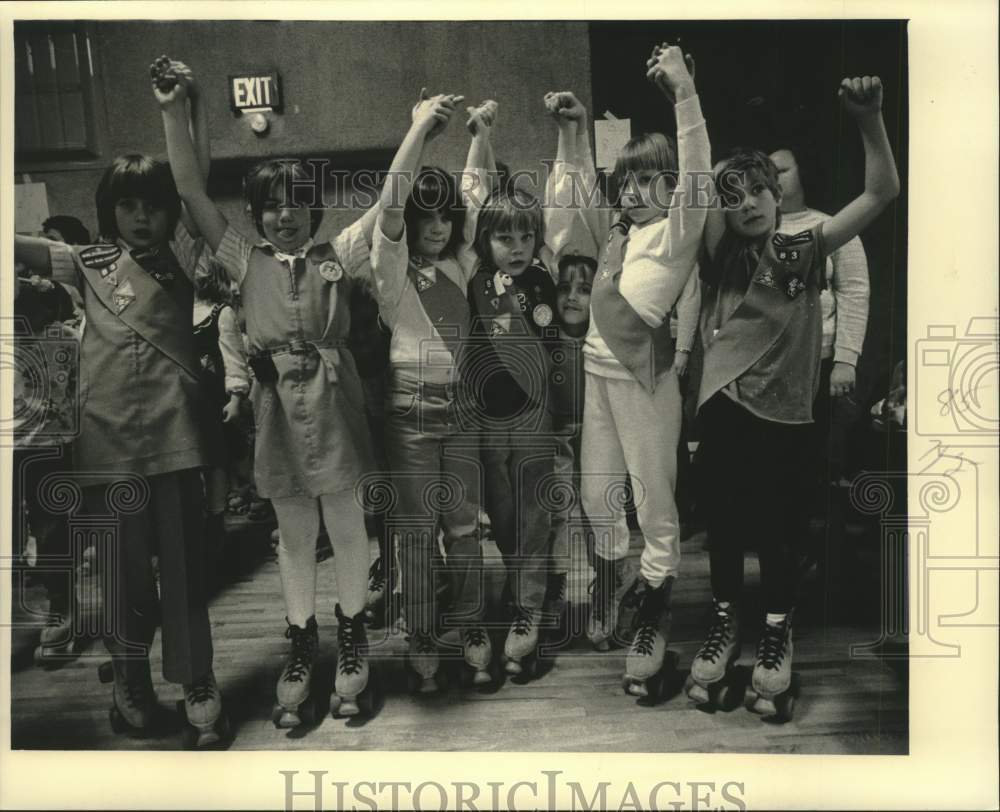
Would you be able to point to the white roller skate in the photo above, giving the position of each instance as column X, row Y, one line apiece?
column 296, row 704
column 710, row 683
column 612, row 580
column 477, row 651
column 207, row 725
column 648, row 661
column 772, row 688
column 424, row 661
column 520, row 650
column 353, row 690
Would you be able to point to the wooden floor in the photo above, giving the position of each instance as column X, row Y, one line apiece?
column 846, row 705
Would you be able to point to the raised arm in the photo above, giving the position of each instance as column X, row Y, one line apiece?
column 673, row 73
column 184, row 165
column 430, row 115
column 862, row 97
column 480, row 164
column 34, row 252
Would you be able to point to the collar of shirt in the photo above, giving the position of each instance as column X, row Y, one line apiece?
column 281, row 256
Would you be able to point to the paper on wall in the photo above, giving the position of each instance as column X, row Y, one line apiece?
column 609, row 138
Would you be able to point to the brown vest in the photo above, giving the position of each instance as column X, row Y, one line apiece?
column 770, row 345
column 644, row 351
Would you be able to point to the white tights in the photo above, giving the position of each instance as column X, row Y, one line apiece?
column 298, row 521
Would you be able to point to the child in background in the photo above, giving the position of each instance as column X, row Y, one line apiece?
column 576, row 279
column 761, row 328
column 226, row 382
column 632, row 411
column 140, row 429
column 422, row 261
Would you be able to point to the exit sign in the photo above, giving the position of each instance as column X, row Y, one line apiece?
column 255, row 91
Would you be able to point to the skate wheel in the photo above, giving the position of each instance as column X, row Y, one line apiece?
column 482, row 678
column 697, row 693
column 285, row 719
column 634, row 687
column 512, row 667
column 106, row 672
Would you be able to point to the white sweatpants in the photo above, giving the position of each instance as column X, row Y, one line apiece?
column 627, row 430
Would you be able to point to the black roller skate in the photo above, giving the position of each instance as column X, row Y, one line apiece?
column 520, row 649
column 711, row 683
column 296, row 705
column 135, row 710
column 353, row 691
column 648, row 662
column 207, row 724
column 773, row 687
column 477, row 650
column 612, row 581
column 423, row 660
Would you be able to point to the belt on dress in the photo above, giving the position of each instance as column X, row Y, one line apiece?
column 263, row 366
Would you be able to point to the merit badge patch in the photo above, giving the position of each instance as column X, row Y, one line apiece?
column 766, row 278
column 794, row 285
column 496, row 329
column 542, row 314
column 501, row 281
column 423, row 283
column 331, row 270
column 97, row 257
column 123, row 296
column 789, row 255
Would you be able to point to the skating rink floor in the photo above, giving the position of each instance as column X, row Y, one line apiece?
column 855, row 705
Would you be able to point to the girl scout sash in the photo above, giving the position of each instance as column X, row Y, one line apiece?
column 643, row 350
column 503, row 316
column 133, row 296
column 763, row 316
column 444, row 303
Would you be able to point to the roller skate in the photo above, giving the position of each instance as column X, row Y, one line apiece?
column 612, row 581
column 353, row 691
column 57, row 642
column 207, row 725
column 423, row 660
column 382, row 604
column 135, row 710
column 773, row 689
column 648, row 661
column 477, row 651
column 520, row 650
column 295, row 703
column 711, row 683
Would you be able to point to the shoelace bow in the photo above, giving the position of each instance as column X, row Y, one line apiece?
column 718, row 634
column 772, row 647
column 347, row 648
column 303, row 649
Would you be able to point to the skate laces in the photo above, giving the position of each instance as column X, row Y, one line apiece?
column 771, row 649
column 718, row 636
column 424, row 643
column 376, row 576
column 202, row 690
column 475, row 637
column 349, row 638
column 522, row 624
column 303, row 652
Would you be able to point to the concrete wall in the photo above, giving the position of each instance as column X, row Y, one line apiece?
column 348, row 88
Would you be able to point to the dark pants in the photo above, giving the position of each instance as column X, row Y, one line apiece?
column 36, row 469
column 436, row 479
column 170, row 525
column 755, row 485
column 519, row 464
